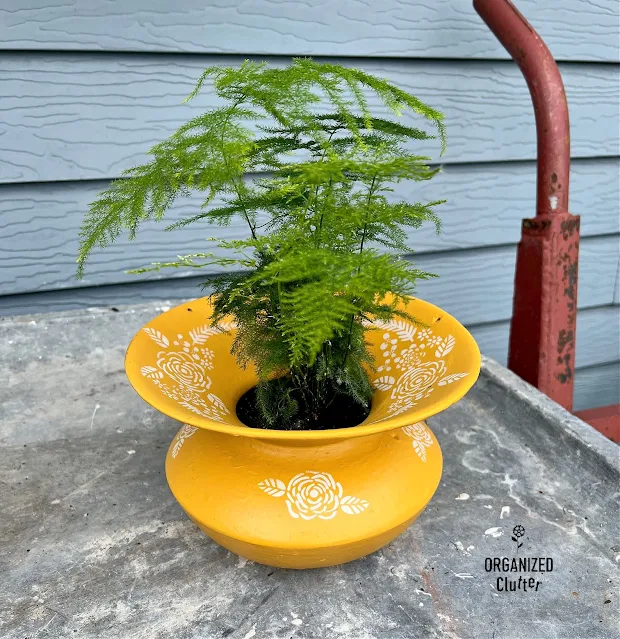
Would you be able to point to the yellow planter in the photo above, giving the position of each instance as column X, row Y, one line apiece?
column 311, row 498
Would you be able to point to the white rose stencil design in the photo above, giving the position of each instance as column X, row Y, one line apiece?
column 313, row 494
column 421, row 364
column 184, row 363
column 183, row 369
column 421, row 438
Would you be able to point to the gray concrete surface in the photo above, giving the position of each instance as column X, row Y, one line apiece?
column 92, row 544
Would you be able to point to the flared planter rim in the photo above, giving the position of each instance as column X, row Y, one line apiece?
column 161, row 370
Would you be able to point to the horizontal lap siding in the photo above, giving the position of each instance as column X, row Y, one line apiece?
column 573, row 30
column 474, row 285
column 87, row 89
column 38, row 222
column 598, row 337
column 89, row 116
column 597, row 386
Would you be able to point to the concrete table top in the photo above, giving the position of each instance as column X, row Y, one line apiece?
column 92, row 543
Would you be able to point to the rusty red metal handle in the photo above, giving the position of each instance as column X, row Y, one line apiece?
column 547, row 90
column 542, row 329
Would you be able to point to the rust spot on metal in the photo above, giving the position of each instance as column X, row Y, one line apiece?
column 570, row 277
column 536, row 224
column 565, row 338
column 567, row 375
column 569, row 227
column 554, row 177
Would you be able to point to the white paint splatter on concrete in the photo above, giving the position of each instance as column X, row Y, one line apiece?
column 462, row 497
column 508, row 481
column 459, row 546
column 98, row 548
column 496, row 531
column 399, row 571
column 92, row 419
column 446, row 631
column 444, row 617
column 297, row 622
column 56, row 501
column 421, row 592
column 465, row 461
column 470, row 548
column 505, row 511
column 241, row 562
column 131, row 452
column 463, row 575
column 251, row 633
column 489, row 507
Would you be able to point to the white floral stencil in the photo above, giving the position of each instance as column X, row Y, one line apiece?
column 182, row 435
column 312, row 494
column 414, row 356
column 421, row 438
column 180, row 371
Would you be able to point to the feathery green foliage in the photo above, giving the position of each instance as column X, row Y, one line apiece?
column 324, row 239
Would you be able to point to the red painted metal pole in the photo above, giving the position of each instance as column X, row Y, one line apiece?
column 543, row 326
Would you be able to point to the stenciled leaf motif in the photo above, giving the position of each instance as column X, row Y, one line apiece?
column 191, row 407
column 177, row 447
column 448, row 379
column 419, row 448
column 384, row 383
column 445, row 346
column 273, row 487
column 157, row 337
column 202, row 333
column 353, row 505
column 151, row 372
column 404, row 330
column 218, row 403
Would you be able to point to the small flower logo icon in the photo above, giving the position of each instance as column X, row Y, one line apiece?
column 517, row 532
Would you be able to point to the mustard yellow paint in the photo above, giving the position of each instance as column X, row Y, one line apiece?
column 312, row 498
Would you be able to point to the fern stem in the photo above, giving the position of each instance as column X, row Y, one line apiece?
column 350, row 335
column 232, row 180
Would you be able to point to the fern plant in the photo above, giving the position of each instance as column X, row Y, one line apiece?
column 325, row 241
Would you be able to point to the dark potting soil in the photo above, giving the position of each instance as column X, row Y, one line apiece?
column 341, row 411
